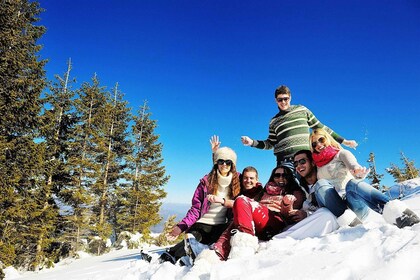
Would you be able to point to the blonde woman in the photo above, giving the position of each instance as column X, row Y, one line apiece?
column 341, row 169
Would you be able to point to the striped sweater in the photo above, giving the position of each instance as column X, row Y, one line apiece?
column 289, row 132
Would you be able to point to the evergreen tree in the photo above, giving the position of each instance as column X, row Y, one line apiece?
column 409, row 171
column 162, row 240
column 140, row 199
column 58, row 122
column 113, row 148
column 373, row 176
column 85, row 171
column 24, row 220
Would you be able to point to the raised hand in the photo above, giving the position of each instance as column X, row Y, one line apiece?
column 215, row 143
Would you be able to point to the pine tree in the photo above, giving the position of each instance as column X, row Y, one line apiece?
column 140, row 199
column 78, row 194
column 58, row 125
column 373, row 176
column 22, row 79
column 113, row 149
column 162, row 240
column 409, row 171
column 26, row 209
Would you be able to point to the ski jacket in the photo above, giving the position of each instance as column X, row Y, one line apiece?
column 288, row 132
column 337, row 171
column 199, row 206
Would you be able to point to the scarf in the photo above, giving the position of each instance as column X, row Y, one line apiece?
column 325, row 156
column 251, row 193
column 272, row 189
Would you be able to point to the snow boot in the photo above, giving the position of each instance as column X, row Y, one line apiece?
column 167, row 257
column 348, row 218
column 192, row 248
column 396, row 213
column 145, row 256
column 243, row 245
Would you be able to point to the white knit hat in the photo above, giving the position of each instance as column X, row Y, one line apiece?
column 225, row 153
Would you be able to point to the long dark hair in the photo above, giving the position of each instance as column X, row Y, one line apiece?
column 292, row 184
column 235, row 185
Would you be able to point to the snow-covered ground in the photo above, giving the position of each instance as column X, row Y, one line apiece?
column 374, row 250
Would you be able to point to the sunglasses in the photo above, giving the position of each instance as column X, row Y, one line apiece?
column 279, row 175
column 282, row 99
column 223, row 161
column 301, row 161
column 320, row 140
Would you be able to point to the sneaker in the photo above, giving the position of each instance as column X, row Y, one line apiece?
column 407, row 219
column 145, row 256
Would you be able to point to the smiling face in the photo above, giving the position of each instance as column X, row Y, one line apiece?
column 279, row 176
column 319, row 142
column 249, row 180
column 283, row 101
column 304, row 166
column 224, row 166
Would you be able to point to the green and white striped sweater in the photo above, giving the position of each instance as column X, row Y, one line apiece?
column 289, row 132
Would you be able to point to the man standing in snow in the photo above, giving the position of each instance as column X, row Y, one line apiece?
column 289, row 129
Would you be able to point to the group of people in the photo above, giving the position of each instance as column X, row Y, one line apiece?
column 315, row 188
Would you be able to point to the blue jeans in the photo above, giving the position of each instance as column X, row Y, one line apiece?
column 360, row 195
column 327, row 196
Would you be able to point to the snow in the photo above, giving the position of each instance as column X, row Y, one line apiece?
column 374, row 250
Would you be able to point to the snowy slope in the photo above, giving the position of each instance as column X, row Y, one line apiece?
column 374, row 250
column 405, row 188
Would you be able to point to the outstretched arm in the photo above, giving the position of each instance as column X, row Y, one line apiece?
column 350, row 143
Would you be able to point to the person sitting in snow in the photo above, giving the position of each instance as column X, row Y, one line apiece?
column 311, row 220
column 211, row 205
column 267, row 214
column 340, row 167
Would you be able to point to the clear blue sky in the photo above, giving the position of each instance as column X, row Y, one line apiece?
column 211, row 67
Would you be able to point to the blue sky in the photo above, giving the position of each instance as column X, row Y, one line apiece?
column 211, row 67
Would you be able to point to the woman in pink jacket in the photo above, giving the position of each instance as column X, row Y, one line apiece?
column 211, row 205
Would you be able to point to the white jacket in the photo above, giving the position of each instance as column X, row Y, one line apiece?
column 337, row 171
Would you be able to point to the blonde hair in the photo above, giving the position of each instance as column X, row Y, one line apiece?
column 330, row 141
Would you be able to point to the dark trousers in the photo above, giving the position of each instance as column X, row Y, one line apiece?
column 203, row 233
